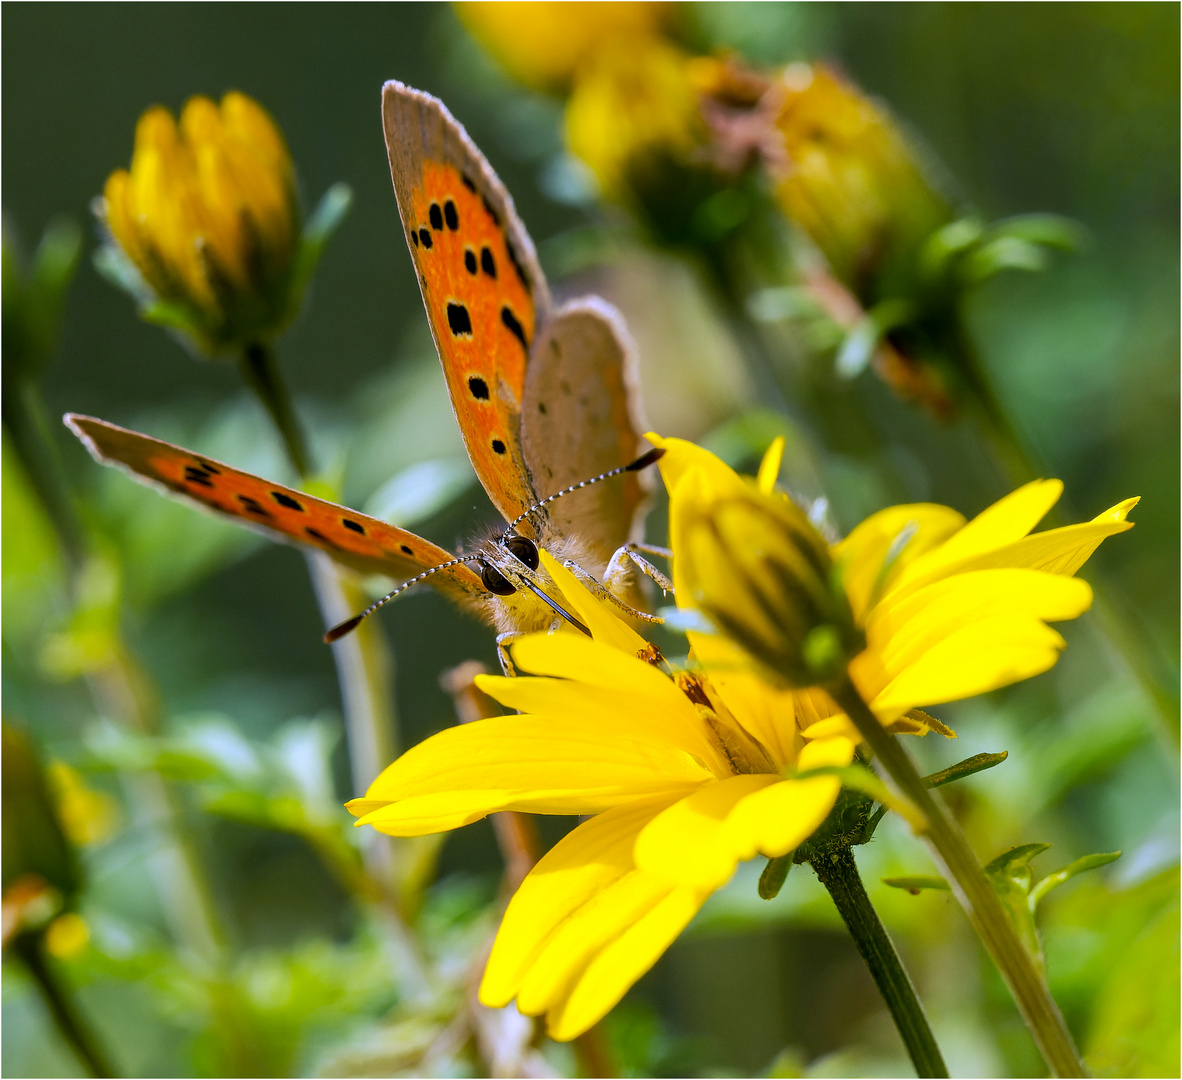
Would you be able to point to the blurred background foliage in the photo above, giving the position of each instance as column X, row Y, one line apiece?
column 1064, row 109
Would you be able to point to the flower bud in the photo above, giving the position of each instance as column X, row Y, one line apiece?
column 204, row 228
column 753, row 564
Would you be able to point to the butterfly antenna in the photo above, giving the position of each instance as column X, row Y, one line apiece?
column 341, row 629
column 642, row 462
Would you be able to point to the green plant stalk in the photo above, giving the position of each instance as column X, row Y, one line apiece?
column 364, row 664
column 61, row 1004
column 838, row 872
column 971, row 887
column 122, row 691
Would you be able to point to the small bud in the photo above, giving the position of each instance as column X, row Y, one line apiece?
column 204, row 228
column 752, row 563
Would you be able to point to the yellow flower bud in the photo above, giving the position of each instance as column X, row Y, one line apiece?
column 543, row 43
column 752, row 563
column 206, row 222
column 852, row 183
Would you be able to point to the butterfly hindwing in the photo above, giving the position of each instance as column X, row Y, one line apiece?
column 484, row 292
column 357, row 540
column 581, row 416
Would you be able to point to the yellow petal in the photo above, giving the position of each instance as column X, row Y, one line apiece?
column 682, row 456
column 609, row 976
column 585, row 925
column 605, row 627
column 688, row 843
column 612, row 712
column 900, row 533
column 769, row 467
column 901, row 630
column 526, row 763
column 1006, row 521
column 972, row 660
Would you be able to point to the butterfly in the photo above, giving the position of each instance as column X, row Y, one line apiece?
column 546, row 398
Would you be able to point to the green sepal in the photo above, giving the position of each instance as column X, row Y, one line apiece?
column 1065, row 873
column 771, row 881
column 916, row 883
column 968, row 767
column 322, row 223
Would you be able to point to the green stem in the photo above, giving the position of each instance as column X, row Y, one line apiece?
column 61, row 1004
column 971, row 886
column 838, row 872
column 261, row 373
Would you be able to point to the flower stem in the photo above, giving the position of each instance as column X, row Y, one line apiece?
column 838, row 872
column 971, row 886
column 61, row 1004
column 262, row 375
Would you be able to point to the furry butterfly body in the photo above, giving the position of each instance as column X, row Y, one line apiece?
column 544, row 397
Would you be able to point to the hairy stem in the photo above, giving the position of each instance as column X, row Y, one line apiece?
column 838, row 872
column 971, row 887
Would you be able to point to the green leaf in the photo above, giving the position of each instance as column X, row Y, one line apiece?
column 1011, row 876
column 317, row 231
column 1045, row 230
column 916, row 883
column 970, row 765
column 771, row 881
column 1066, row 873
column 1003, row 253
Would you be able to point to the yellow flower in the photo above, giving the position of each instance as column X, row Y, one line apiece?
column 949, row 608
column 542, row 44
column 633, row 116
column 684, row 782
column 204, row 228
column 852, row 183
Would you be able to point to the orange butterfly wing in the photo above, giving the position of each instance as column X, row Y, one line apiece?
column 356, row 540
column 483, row 289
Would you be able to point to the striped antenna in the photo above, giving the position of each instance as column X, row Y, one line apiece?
column 341, row 629
column 642, row 462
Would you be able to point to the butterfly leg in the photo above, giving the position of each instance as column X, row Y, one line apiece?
column 604, row 592
column 503, row 642
column 630, row 555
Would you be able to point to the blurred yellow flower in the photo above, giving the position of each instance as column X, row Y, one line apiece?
column 67, row 935
column 207, row 217
column 949, row 608
column 542, row 43
column 87, row 816
column 633, row 112
column 684, row 781
column 852, row 183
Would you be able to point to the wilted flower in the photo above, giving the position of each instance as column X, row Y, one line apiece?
column 543, row 44
column 685, row 778
column 853, row 184
column 204, row 228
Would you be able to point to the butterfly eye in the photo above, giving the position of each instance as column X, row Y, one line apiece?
column 524, row 550
column 495, row 581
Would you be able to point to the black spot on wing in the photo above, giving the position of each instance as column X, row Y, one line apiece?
column 317, row 535
column 436, row 216
column 487, row 263
column 514, row 327
column 450, row 215
column 197, row 476
column 252, row 506
column 542, row 407
column 425, row 239
column 470, row 260
column 209, row 468
column 286, row 500
column 478, row 387
column 414, row 236
column 406, row 548
column 488, row 207
column 498, row 446
column 467, row 181
column 457, row 319
column 525, row 282
column 356, row 526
